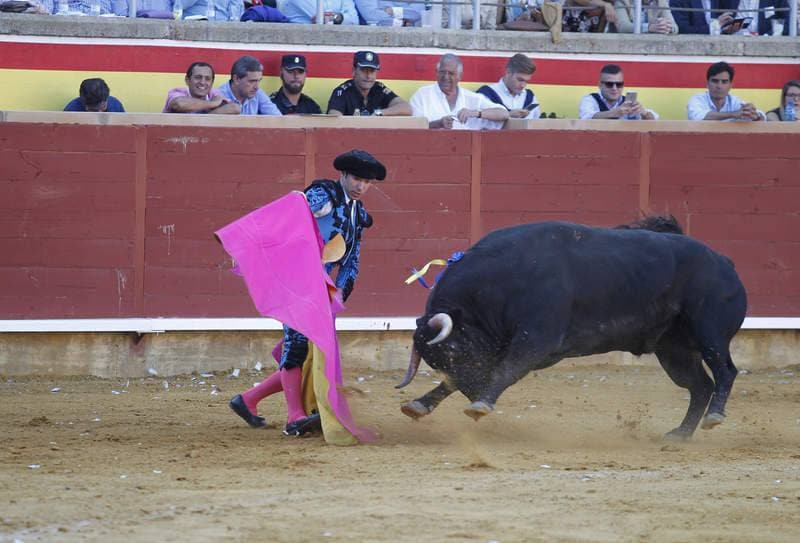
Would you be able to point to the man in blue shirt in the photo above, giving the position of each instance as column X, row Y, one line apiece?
column 718, row 104
column 94, row 96
column 243, row 88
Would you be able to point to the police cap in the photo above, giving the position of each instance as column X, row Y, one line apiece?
column 367, row 59
column 293, row 62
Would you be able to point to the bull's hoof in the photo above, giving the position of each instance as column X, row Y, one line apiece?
column 678, row 435
column 414, row 409
column 711, row 420
column 476, row 410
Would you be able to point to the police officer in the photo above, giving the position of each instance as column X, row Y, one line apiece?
column 337, row 208
column 290, row 98
column 364, row 95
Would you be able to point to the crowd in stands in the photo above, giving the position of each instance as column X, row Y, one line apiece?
column 714, row 17
column 444, row 103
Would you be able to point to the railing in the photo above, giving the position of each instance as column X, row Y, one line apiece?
column 455, row 12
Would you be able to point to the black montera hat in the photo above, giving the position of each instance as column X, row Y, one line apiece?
column 293, row 62
column 367, row 59
column 361, row 164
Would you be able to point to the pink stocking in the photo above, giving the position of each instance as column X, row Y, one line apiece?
column 292, row 389
column 267, row 387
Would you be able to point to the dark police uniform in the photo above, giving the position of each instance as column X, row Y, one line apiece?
column 347, row 98
column 304, row 105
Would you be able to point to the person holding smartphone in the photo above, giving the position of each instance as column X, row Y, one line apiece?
column 612, row 102
column 511, row 92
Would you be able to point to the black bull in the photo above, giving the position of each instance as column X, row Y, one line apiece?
column 525, row 297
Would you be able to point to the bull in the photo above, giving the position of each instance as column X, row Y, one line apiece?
column 525, row 297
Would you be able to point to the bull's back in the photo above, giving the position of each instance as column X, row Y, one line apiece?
column 613, row 283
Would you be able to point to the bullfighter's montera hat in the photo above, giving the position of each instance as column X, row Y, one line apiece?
column 361, row 164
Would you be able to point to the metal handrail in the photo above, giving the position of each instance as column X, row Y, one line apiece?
column 476, row 8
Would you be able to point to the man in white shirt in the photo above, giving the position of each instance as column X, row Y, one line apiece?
column 510, row 91
column 610, row 102
column 718, row 104
column 446, row 105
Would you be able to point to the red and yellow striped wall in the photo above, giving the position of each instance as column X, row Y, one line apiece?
column 44, row 73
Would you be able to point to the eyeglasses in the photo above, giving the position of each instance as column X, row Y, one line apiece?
column 793, row 95
column 612, row 84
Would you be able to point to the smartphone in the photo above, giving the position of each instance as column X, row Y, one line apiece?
column 631, row 97
column 736, row 25
column 531, row 106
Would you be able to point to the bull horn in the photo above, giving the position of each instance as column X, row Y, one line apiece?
column 413, row 366
column 444, row 323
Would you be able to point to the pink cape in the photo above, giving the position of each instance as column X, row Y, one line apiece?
column 278, row 252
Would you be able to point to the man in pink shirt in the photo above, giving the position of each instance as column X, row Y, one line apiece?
column 198, row 96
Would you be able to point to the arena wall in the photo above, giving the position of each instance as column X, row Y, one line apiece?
column 117, row 221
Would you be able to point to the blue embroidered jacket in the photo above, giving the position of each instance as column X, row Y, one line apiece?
column 337, row 214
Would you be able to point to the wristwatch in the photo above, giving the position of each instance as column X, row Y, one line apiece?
column 378, row 113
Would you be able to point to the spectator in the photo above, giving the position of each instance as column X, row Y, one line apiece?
column 364, row 95
column 257, row 13
column 510, row 91
column 337, row 12
column 446, row 105
column 717, row 104
column 154, row 9
column 790, row 100
column 243, row 88
column 94, row 95
column 656, row 17
column 761, row 22
column 107, row 7
column 388, row 13
column 198, row 96
column 290, row 98
column 700, row 22
column 593, row 19
column 610, row 103
column 37, row 7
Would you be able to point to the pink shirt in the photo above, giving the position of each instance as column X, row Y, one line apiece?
column 184, row 92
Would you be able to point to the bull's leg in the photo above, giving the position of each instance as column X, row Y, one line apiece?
column 422, row 406
column 511, row 369
column 724, row 372
column 685, row 367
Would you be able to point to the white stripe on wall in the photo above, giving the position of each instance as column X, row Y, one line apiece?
column 354, row 324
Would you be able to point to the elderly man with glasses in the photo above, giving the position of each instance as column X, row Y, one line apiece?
column 610, row 102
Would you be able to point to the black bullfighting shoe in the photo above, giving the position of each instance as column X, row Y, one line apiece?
column 239, row 407
column 311, row 423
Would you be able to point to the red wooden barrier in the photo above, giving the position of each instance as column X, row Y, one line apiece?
column 117, row 221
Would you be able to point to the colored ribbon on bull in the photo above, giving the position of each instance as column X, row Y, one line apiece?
column 417, row 275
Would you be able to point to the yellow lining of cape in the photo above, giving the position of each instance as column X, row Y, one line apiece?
column 315, row 397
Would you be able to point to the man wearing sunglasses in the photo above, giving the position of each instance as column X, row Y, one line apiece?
column 611, row 102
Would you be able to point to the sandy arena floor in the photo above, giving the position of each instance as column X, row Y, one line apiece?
column 573, row 453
